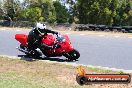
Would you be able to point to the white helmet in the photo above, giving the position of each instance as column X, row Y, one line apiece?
column 41, row 26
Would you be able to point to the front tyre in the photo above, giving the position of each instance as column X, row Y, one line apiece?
column 73, row 55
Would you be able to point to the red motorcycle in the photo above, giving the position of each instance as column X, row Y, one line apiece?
column 62, row 42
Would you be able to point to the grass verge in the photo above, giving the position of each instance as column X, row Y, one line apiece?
column 16, row 73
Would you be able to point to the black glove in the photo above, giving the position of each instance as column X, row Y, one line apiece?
column 56, row 33
column 56, row 46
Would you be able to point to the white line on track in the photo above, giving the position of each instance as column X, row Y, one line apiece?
column 108, row 68
column 3, row 29
column 101, row 35
column 18, row 30
column 82, row 34
column 68, row 33
column 117, row 36
column 129, row 37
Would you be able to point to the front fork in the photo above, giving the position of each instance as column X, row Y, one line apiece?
column 67, row 56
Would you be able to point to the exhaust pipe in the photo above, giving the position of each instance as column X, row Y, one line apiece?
column 22, row 50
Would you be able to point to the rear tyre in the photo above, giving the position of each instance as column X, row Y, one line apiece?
column 35, row 53
column 23, row 47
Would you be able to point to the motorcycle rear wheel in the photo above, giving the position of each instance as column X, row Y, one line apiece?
column 34, row 54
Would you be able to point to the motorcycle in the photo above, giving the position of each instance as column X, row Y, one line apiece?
column 63, row 46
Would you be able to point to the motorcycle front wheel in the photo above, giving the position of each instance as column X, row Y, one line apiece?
column 73, row 55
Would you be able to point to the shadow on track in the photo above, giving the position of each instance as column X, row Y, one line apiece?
column 24, row 57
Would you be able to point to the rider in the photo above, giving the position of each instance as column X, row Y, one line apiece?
column 35, row 36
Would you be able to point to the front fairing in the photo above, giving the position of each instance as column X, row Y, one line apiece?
column 65, row 46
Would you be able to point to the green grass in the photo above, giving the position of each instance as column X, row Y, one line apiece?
column 15, row 73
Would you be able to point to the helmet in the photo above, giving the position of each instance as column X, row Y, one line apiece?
column 41, row 26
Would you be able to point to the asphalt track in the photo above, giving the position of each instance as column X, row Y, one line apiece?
column 106, row 51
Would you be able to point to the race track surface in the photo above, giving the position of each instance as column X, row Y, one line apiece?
column 104, row 51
